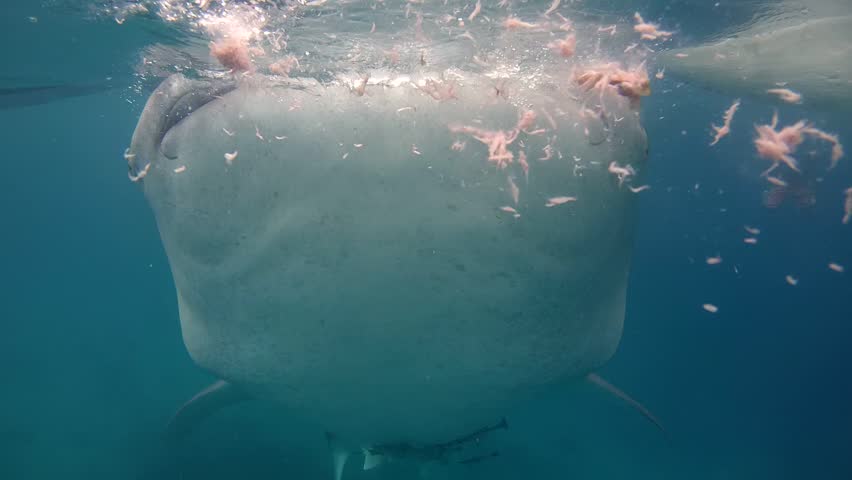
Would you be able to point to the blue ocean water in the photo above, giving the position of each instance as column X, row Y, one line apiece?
column 93, row 364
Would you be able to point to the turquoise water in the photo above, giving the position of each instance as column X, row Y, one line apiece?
column 93, row 364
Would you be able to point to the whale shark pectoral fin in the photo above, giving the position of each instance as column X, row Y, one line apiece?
column 600, row 382
column 339, row 455
column 218, row 395
column 372, row 460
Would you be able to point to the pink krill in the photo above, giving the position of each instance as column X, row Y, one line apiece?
column 564, row 47
column 750, row 240
column 632, row 84
column 553, row 201
column 710, row 307
column 441, row 91
column 779, row 145
column 836, row 147
column 553, row 7
column 640, row 188
column 180, row 169
column 513, row 23
column 142, row 173
column 836, row 267
column 649, row 31
column 660, row 74
column 566, row 24
column 622, row 173
column 419, row 35
column 608, row 29
column 496, row 141
column 393, row 55
column 499, row 140
column 791, row 280
column 511, row 210
column 714, row 260
column 129, row 157
column 284, row 66
column 776, row 181
column 476, row 9
column 361, row 87
column 681, row 55
column 230, row 157
column 414, row 149
column 847, row 206
column 752, row 230
column 227, row 132
column 514, row 190
column 232, row 53
column 726, row 126
column 786, row 95
column 526, row 120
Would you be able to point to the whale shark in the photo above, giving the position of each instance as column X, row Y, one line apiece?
column 802, row 45
column 351, row 251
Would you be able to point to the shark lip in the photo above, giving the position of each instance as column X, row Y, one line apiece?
column 173, row 101
column 190, row 101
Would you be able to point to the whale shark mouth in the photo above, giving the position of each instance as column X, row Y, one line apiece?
column 170, row 104
column 183, row 105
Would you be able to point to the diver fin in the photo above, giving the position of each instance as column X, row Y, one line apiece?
column 206, row 402
column 339, row 455
column 600, row 382
column 372, row 460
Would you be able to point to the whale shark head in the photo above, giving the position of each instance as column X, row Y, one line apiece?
column 393, row 265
